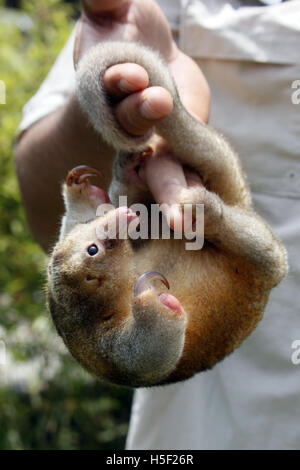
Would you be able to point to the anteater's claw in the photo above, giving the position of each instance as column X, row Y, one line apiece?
column 80, row 173
column 144, row 281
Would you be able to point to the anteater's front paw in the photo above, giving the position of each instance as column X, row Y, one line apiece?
column 128, row 164
column 80, row 196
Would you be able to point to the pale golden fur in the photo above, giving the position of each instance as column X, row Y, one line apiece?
column 223, row 288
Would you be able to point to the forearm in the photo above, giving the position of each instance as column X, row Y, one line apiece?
column 45, row 153
column 64, row 139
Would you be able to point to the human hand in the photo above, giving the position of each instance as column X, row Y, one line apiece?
column 138, row 106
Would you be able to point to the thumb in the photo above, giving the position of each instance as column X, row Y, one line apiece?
column 140, row 111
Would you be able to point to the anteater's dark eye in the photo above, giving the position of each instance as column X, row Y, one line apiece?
column 92, row 250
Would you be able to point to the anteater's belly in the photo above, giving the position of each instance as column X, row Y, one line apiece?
column 222, row 295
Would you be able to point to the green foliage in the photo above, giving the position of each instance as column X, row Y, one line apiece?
column 46, row 400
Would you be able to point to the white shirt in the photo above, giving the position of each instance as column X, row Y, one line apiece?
column 250, row 56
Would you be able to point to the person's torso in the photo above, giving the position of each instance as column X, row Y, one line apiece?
column 250, row 57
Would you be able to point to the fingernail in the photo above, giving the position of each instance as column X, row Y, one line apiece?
column 149, row 113
column 126, row 86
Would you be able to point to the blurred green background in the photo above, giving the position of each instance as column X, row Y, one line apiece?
column 46, row 400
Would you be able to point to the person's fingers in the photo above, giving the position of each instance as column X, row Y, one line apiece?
column 165, row 179
column 142, row 110
column 122, row 79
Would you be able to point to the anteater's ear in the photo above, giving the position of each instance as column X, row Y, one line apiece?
column 93, row 98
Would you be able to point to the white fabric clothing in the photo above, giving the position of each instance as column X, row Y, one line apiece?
column 250, row 56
